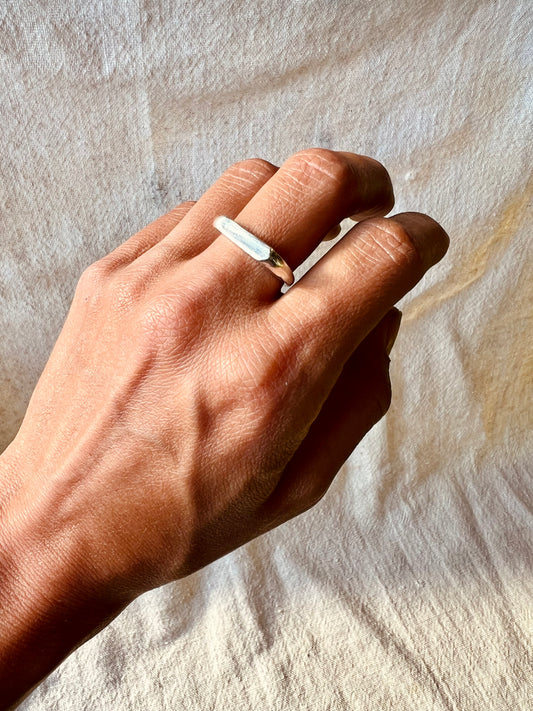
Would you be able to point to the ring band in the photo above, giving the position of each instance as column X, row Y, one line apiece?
column 256, row 248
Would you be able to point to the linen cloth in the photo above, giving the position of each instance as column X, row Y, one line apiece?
column 410, row 585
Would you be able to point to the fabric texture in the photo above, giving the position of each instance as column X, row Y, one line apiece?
column 410, row 585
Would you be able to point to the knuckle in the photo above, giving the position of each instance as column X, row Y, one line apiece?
column 381, row 241
column 186, row 205
column 124, row 291
column 256, row 377
column 251, row 170
column 182, row 209
column 168, row 321
column 295, row 351
column 95, row 272
column 259, row 375
column 279, row 368
column 159, row 321
column 93, row 279
column 320, row 164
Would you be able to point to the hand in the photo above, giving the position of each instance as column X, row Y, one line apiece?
column 188, row 407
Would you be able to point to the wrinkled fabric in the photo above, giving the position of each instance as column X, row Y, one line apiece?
column 410, row 585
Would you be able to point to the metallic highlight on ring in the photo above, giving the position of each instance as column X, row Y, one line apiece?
column 256, row 248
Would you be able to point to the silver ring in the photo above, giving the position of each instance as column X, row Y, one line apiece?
column 255, row 247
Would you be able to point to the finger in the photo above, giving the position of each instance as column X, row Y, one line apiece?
column 229, row 194
column 332, row 308
column 309, row 195
column 359, row 399
column 145, row 239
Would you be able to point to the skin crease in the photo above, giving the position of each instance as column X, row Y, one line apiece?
column 186, row 407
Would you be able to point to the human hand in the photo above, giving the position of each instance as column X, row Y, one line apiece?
column 187, row 407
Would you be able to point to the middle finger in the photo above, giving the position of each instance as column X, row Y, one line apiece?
column 292, row 212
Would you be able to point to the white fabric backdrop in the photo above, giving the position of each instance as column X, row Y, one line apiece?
column 410, row 586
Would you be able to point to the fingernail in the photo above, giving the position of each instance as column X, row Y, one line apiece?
column 393, row 326
column 430, row 240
